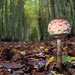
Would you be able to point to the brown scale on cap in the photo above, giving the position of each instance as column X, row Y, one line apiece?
column 59, row 19
column 59, row 26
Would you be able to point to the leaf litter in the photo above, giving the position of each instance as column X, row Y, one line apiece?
column 36, row 57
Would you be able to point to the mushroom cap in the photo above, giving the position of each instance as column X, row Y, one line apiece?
column 59, row 27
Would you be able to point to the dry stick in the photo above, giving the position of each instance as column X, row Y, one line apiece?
column 59, row 54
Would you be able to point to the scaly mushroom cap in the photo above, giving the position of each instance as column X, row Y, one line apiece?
column 59, row 26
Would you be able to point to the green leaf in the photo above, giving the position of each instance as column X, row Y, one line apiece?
column 67, row 58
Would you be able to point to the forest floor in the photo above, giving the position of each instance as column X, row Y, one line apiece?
column 36, row 57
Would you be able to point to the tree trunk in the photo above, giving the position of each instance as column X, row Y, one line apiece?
column 61, row 8
column 52, row 9
column 56, row 9
column 6, row 19
column 40, row 21
column 43, row 22
column 73, row 17
column 1, row 14
column 2, row 32
column 65, row 9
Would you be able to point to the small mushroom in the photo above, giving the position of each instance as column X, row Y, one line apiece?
column 58, row 28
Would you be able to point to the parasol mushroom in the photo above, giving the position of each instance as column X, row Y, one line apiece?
column 59, row 28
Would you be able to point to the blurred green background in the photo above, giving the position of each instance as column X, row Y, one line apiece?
column 25, row 20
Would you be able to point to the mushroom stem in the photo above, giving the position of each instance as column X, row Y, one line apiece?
column 59, row 54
